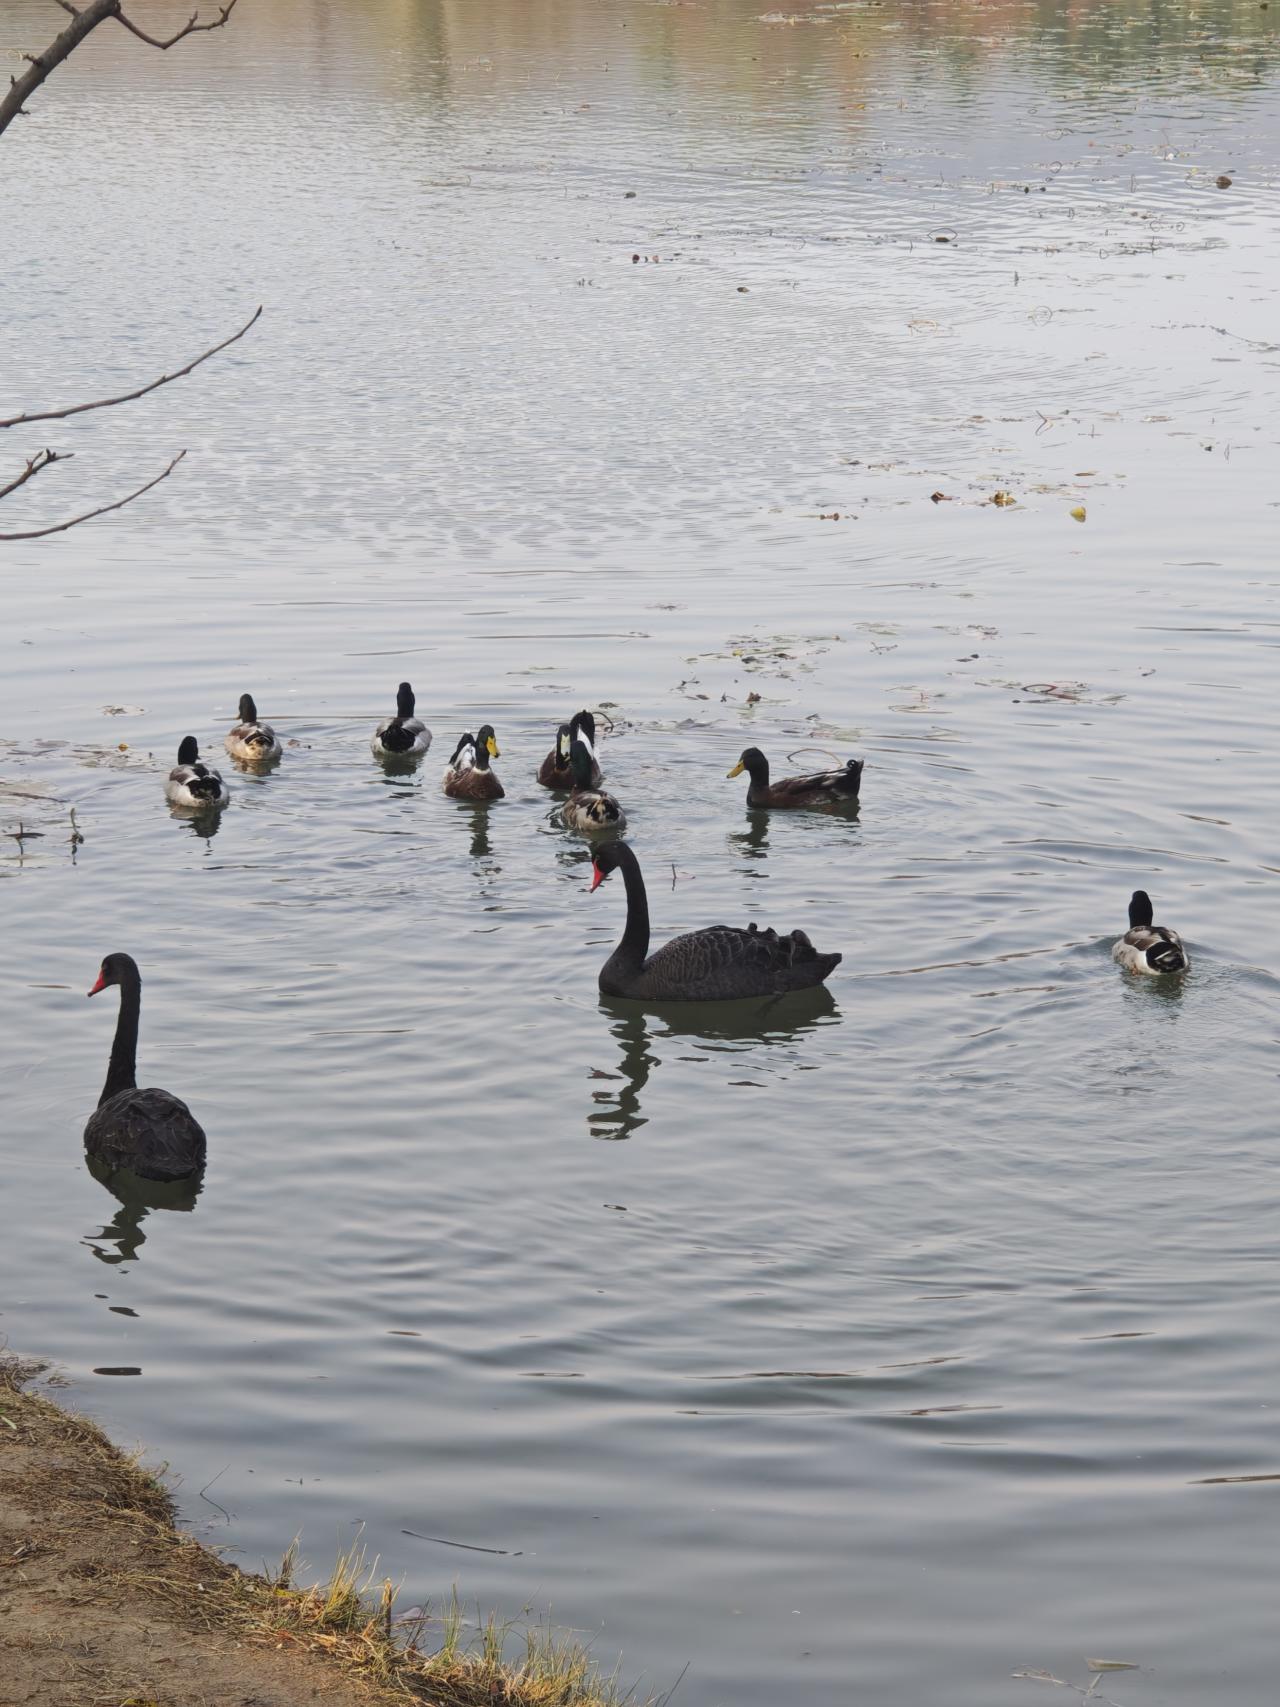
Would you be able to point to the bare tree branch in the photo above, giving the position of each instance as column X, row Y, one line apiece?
column 83, row 23
column 61, row 527
column 35, row 463
column 191, row 28
column 128, row 396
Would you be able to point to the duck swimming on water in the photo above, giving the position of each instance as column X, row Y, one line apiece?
column 468, row 775
column 1148, row 948
column 556, row 770
column 720, row 964
column 589, row 809
column 192, row 783
column 403, row 736
column 250, row 741
column 819, row 788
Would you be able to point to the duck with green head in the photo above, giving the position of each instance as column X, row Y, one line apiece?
column 837, row 787
column 468, row 775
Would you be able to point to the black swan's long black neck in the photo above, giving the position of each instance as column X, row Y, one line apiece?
column 634, row 946
column 122, row 1074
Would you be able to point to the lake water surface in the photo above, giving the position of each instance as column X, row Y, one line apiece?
column 868, row 1349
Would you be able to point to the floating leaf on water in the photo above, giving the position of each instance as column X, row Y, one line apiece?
column 1002, row 500
column 1223, row 182
column 1113, row 1665
column 1079, row 513
column 941, row 498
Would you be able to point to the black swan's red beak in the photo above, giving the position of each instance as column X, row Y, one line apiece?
column 597, row 878
column 100, row 985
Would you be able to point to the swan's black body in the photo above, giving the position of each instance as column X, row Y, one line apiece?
column 147, row 1131
column 719, row 964
column 820, row 788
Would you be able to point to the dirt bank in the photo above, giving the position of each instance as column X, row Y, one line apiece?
column 105, row 1603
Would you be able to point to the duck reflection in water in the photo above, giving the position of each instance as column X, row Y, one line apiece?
column 753, row 842
column 616, row 1112
column 203, row 825
column 476, row 819
column 122, row 1238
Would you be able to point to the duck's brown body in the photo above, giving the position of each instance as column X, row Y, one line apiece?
column 836, row 787
column 468, row 775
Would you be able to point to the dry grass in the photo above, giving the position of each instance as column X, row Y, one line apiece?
column 440, row 1658
column 73, row 1479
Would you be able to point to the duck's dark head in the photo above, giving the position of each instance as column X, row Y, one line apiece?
column 486, row 745
column 584, row 724
column 116, row 969
column 1140, row 910
column 189, row 751
column 248, row 710
column 752, row 760
column 606, row 859
column 580, row 763
column 404, row 702
column 564, row 736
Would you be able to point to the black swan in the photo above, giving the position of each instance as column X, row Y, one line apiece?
column 1148, row 948
column 403, row 736
column 819, row 788
column 149, row 1132
column 719, row 964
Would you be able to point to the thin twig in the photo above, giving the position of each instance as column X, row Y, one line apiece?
column 191, row 27
column 128, row 396
column 204, row 1492
column 61, row 527
column 35, row 463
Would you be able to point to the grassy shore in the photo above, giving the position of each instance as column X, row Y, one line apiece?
column 103, row 1599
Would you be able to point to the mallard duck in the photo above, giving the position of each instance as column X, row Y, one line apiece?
column 555, row 771
column 191, row 783
column 149, row 1132
column 719, row 964
column 588, row 809
column 1148, row 948
column 820, row 788
column 403, row 736
column 467, row 776
column 251, row 742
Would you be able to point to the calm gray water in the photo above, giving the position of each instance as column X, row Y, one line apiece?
column 870, row 1349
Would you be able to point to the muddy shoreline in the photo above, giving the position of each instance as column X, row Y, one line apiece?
column 104, row 1598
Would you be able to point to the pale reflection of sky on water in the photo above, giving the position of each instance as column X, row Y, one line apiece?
column 870, row 1349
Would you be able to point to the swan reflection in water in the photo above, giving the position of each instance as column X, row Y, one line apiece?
column 640, row 1031
column 120, row 1240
